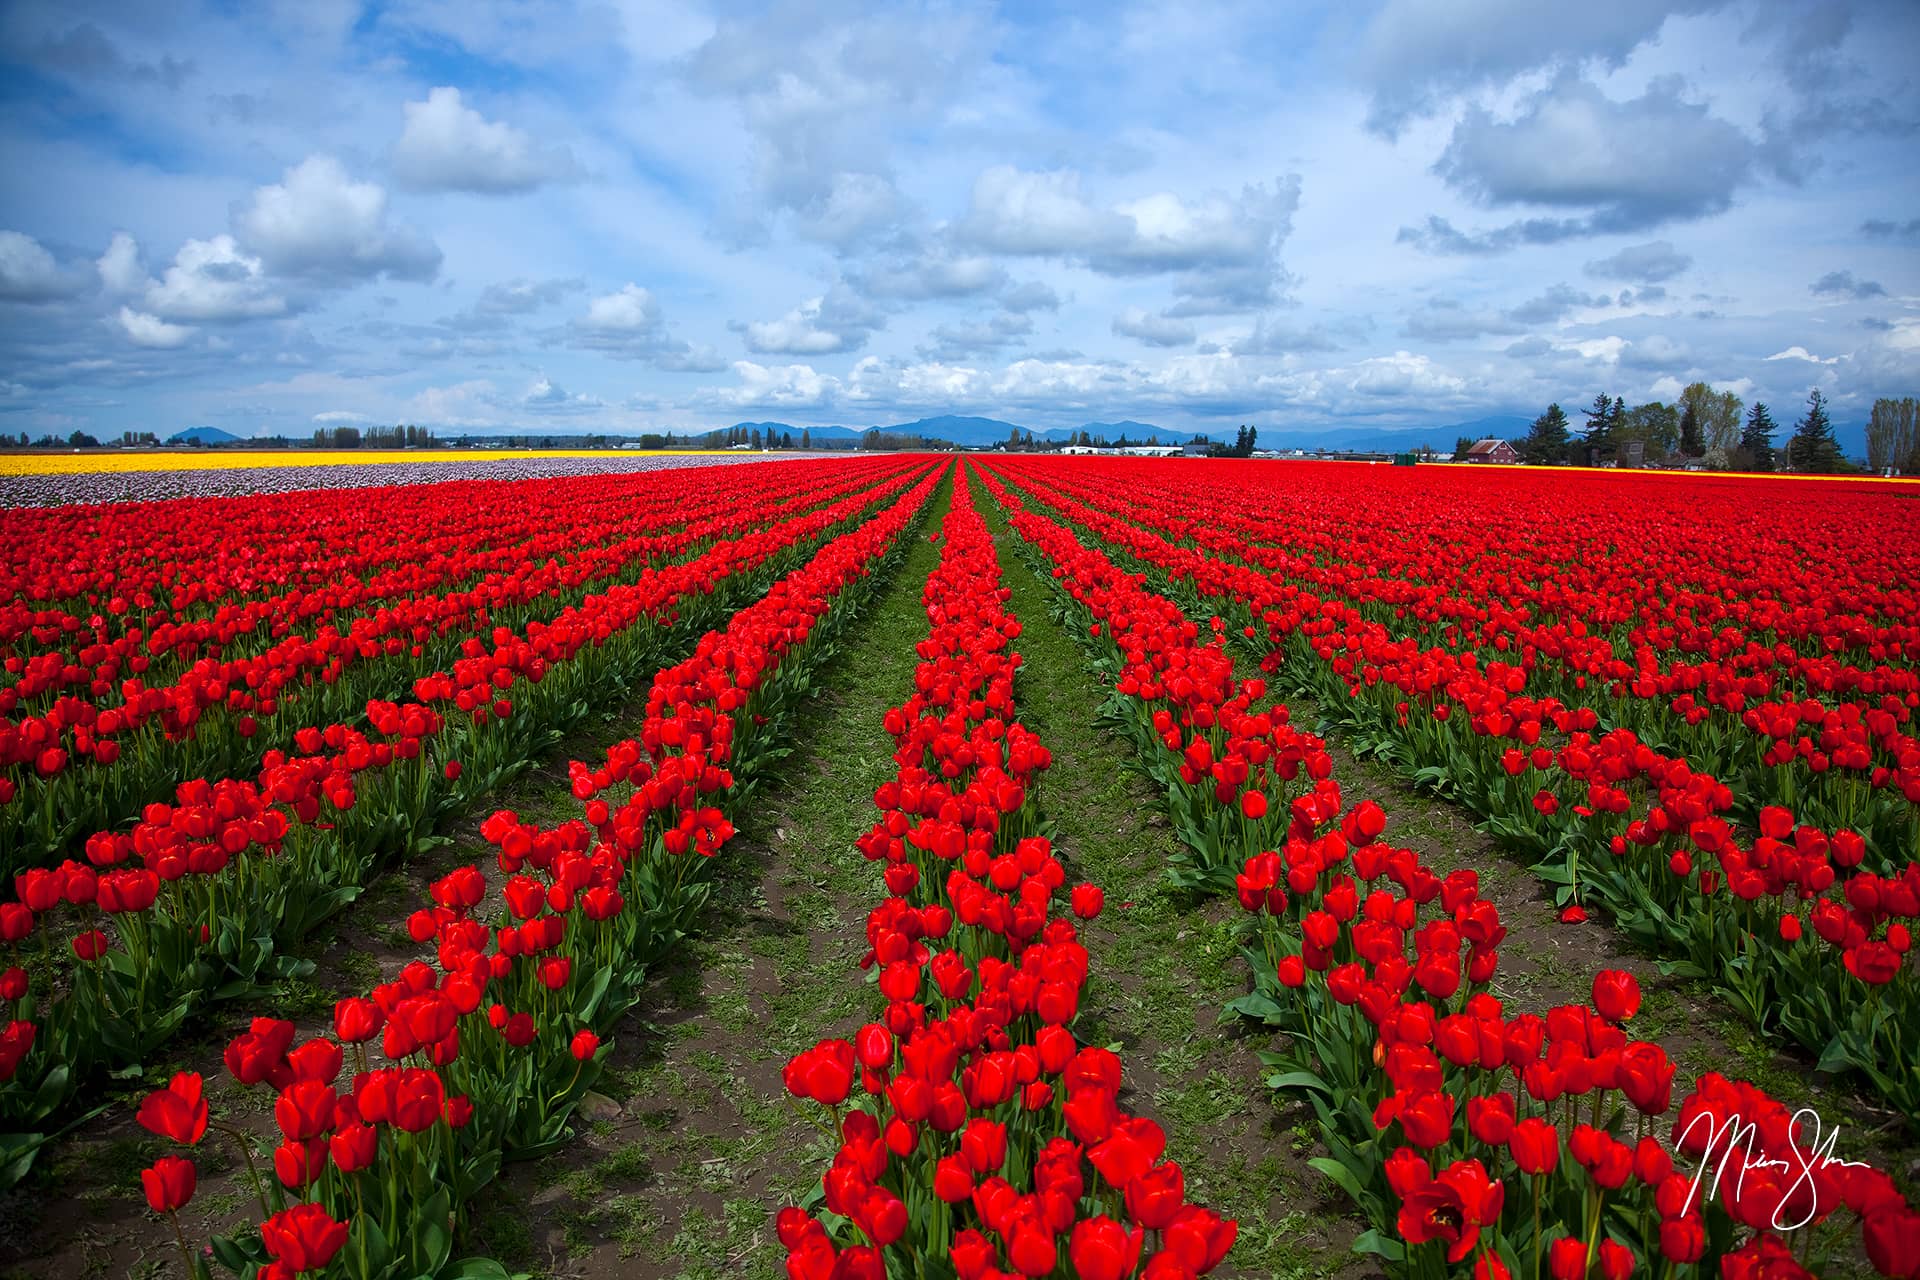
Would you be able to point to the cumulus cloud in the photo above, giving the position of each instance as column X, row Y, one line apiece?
column 145, row 330
column 1156, row 331
column 213, row 280
column 28, row 272
column 319, row 223
column 1628, row 165
column 1222, row 250
column 120, row 267
column 1416, row 52
column 547, row 396
column 630, row 324
column 1842, row 284
column 626, row 320
column 793, row 386
column 448, row 146
column 1649, row 263
column 838, row 320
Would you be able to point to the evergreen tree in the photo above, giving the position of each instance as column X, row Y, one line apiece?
column 1756, row 440
column 1600, row 428
column 806, row 438
column 1240, row 442
column 1691, row 445
column 1546, row 442
column 1253, row 441
column 1460, row 448
column 1813, row 447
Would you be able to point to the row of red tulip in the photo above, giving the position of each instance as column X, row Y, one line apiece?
column 82, row 763
column 1793, row 696
column 1445, row 1116
column 487, row 1051
column 204, row 895
column 1643, row 832
column 974, row 1130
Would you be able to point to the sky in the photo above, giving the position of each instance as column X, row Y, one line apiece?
column 622, row 216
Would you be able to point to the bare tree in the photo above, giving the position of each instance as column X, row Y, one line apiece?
column 1892, row 440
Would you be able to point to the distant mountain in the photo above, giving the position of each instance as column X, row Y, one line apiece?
column 203, row 435
column 1393, row 439
column 959, row 430
column 819, row 433
column 1136, row 432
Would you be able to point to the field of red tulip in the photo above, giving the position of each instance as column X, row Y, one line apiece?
column 547, row 730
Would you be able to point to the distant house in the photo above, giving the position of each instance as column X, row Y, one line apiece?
column 1196, row 449
column 1494, row 452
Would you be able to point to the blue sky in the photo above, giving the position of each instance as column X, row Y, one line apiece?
column 490, row 216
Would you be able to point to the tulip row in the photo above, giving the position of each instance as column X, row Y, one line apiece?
column 1797, row 695
column 203, row 896
column 982, row 1140
column 82, row 764
column 1444, row 1115
column 485, row 1054
column 1676, row 875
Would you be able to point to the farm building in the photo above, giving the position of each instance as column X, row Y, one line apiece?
column 1497, row 452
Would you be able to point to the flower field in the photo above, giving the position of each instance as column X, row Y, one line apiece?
column 1009, row 865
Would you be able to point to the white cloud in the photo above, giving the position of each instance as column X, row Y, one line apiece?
column 838, row 320
column 1013, row 211
column 448, row 146
column 120, row 267
column 145, row 330
column 1415, row 52
column 28, row 272
column 795, row 333
column 789, row 386
column 1223, row 250
column 632, row 310
column 547, row 396
column 213, row 280
column 1797, row 352
column 318, row 222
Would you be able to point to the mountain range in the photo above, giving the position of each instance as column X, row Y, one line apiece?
column 203, row 435
column 988, row 431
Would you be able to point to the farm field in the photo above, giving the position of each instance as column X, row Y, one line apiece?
column 904, row 865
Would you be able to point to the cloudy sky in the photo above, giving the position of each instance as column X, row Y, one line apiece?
column 485, row 215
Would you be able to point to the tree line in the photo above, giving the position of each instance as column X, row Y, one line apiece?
column 1707, row 427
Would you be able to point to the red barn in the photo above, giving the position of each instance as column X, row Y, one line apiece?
column 1497, row 452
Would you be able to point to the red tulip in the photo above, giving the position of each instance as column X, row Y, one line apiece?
column 304, row 1237
column 178, row 1112
column 169, row 1183
column 1616, row 994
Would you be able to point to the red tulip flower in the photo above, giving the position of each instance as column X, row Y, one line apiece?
column 304, row 1237
column 169, row 1183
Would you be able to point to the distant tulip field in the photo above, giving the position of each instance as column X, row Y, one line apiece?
column 1682, row 707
